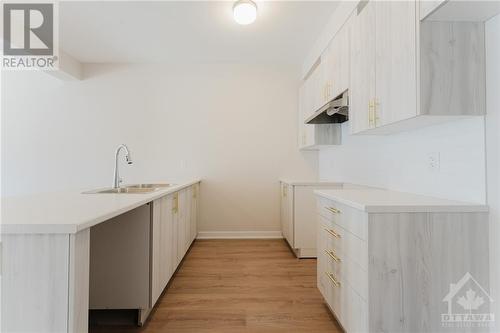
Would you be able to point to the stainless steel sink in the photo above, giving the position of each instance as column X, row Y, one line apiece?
column 132, row 189
column 149, row 185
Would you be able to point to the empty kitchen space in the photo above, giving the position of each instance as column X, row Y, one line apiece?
column 250, row 166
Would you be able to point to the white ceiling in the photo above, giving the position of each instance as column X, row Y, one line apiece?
column 189, row 32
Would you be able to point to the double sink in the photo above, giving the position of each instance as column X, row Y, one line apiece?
column 132, row 189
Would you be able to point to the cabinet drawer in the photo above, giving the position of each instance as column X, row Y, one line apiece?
column 348, row 306
column 344, row 243
column 347, row 270
column 349, row 218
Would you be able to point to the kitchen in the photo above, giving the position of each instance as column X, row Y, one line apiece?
column 252, row 166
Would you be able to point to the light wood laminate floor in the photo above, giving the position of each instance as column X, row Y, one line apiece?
column 235, row 286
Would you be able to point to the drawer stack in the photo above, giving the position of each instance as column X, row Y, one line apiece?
column 343, row 263
column 386, row 259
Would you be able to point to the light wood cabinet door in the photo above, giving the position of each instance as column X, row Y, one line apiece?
column 362, row 69
column 194, row 211
column 287, row 212
column 316, row 89
column 162, row 237
column 329, row 63
column 166, row 238
column 181, row 225
column 175, row 231
column 284, row 210
column 156, row 281
column 187, row 216
column 339, row 60
column 396, row 72
column 301, row 139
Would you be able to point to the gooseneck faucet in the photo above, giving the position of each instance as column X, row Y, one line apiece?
column 116, row 176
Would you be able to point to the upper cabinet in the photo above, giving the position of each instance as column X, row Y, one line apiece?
column 395, row 61
column 406, row 74
column 362, row 69
column 383, row 65
column 405, row 65
column 335, row 65
column 328, row 79
column 313, row 137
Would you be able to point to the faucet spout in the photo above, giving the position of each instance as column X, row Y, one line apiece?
column 128, row 158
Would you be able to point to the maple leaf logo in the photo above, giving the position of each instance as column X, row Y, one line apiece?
column 470, row 301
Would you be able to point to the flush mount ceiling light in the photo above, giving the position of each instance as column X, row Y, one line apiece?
column 244, row 11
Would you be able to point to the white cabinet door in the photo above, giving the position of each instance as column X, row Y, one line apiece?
column 162, row 237
column 287, row 212
column 187, row 217
column 194, row 211
column 175, row 231
column 301, row 127
column 396, row 72
column 181, row 225
column 362, row 68
column 329, row 62
column 166, row 238
column 316, row 89
column 283, row 210
column 156, row 279
column 289, row 215
column 340, row 62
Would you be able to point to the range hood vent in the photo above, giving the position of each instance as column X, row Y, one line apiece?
column 334, row 112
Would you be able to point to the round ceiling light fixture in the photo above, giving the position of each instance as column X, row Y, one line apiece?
column 244, row 11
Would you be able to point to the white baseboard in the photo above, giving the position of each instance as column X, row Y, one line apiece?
column 239, row 235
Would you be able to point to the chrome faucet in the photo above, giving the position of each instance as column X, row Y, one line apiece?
column 116, row 177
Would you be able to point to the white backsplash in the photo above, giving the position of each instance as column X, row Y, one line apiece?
column 403, row 161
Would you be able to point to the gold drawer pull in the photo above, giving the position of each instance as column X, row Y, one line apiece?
column 333, row 233
column 332, row 255
column 334, row 210
column 333, row 279
column 175, row 203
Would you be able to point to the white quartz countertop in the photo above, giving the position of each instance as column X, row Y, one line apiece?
column 385, row 201
column 70, row 212
column 321, row 183
column 310, row 182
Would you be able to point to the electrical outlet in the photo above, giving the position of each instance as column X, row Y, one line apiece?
column 433, row 161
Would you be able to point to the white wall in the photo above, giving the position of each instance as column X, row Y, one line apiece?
column 233, row 126
column 493, row 151
column 400, row 161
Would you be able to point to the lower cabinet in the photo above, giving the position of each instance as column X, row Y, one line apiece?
column 391, row 272
column 174, row 228
column 162, row 263
column 286, row 212
column 297, row 209
column 148, row 244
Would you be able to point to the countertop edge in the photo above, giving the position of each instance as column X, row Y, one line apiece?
column 310, row 183
column 73, row 228
column 417, row 208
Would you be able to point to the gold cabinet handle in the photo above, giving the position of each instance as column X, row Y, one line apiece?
column 371, row 108
column 334, row 210
column 376, row 118
column 332, row 255
column 175, row 206
column 333, row 233
column 332, row 278
column 285, row 190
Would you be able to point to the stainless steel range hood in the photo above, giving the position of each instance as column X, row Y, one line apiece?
column 335, row 111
